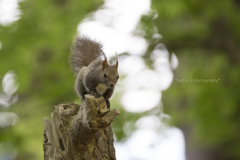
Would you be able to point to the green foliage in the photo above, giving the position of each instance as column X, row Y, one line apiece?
column 205, row 36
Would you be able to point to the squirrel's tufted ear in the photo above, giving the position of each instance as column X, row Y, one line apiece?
column 116, row 66
column 104, row 64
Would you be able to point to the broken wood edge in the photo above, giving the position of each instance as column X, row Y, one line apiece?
column 69, row 122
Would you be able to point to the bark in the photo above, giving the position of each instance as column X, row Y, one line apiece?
column 80, row 132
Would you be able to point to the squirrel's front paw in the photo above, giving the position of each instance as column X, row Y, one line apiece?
column 96, row 94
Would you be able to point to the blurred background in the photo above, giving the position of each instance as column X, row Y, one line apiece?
column 179, row 67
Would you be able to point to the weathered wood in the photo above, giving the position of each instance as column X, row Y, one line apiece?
column 80, row 132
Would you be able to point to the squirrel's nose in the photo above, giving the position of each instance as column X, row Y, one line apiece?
column 111, row 85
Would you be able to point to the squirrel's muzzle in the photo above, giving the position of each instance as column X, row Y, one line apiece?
column 111, row 85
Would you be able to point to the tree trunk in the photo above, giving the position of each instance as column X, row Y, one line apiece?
column 80, row 132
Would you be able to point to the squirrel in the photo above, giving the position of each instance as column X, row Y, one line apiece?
column 93, row 73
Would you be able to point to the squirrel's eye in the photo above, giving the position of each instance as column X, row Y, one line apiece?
column 105, row 75
column 117, row 77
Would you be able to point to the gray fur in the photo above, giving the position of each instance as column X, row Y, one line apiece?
column 91, row 70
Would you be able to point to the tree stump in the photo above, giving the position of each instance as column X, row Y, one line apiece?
column 80, row 132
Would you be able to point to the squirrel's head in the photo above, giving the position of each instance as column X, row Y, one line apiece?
column 109, row 75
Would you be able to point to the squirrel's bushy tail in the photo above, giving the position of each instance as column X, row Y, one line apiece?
column 84, row 51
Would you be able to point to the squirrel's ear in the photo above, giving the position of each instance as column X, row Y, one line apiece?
column 104, row 64
column 116, row 66
column 104, row 55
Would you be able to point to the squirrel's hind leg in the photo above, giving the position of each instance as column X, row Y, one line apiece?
column 108, row 103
